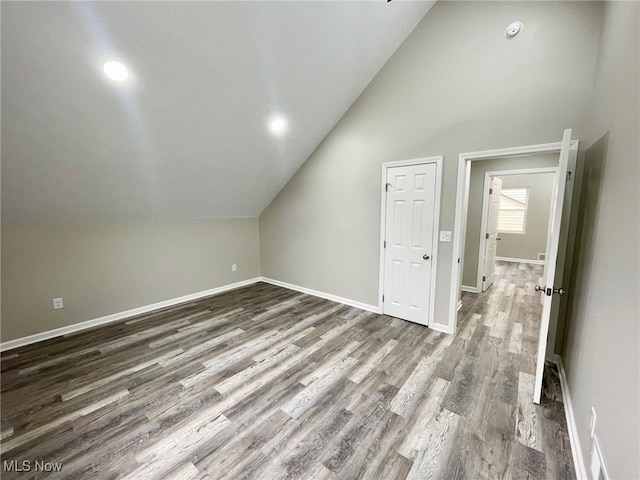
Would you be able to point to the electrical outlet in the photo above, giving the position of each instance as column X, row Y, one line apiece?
column 57, row 303
column 445, row 236
column 234, row 267
column 592, row 422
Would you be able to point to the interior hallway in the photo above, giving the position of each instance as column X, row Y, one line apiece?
column 264, row 382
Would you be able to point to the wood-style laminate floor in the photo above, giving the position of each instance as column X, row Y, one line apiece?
column 267, row 383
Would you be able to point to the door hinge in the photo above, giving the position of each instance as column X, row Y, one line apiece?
column 385, row 244
column 569, row 175
column 386, row 187
column 383, row 298
column 484, row 279
column 490, row 191
column 486, row 236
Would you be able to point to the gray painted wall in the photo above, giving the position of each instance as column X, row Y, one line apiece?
column 534, row 240
column 455, row 85
column 602, row 336
column 474, row 212
column 101, row 269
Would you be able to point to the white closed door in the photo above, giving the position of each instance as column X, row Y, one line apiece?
column 409, row 229
column 491, row 237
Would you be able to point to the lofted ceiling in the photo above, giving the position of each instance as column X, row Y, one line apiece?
column 185, row 136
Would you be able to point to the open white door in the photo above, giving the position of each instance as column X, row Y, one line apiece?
column 491, row 237
column 548, row 289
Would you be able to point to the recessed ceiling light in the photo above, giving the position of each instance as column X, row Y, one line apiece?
column 116, row 71
column 278, row 125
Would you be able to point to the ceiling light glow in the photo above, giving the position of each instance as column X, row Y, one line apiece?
column 116, row 71
column 278, row 125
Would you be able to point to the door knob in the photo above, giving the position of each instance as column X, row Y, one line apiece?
column 426, row 257
column 549, row 291
column 545, row 290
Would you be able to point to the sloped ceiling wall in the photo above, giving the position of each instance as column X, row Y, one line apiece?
column 186, row 135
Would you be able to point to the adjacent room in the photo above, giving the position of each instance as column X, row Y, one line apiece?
column 320, row 240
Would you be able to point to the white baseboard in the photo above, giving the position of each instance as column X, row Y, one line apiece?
column 346, row 301
column 76, row 327
column 467, row 288
column 326, row 296
column 520, row 260
column 576, row 450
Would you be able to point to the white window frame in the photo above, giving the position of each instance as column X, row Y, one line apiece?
column 526, row 211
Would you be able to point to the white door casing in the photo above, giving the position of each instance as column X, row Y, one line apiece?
column 491, row 235
column 410, row 223
column 460, row 219
column 557, row 201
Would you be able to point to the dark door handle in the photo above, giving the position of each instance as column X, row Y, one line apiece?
column 550, row 291
column 426, row 257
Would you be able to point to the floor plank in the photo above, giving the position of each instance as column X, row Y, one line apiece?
column 263, row 382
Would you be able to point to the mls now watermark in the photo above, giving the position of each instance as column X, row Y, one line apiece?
column 31, row 466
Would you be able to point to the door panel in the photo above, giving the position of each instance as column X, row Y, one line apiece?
column 416, row 237
column 414, row 299
column 553, row 240
column 409, row 228
column 396, row 282
column 397, row 226
column 491, row 243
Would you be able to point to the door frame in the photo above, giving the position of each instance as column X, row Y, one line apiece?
column 485, row 209
column 438, row 161
column 462, row 199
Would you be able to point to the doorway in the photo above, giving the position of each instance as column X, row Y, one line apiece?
column 514, row 219
column 557, row 236
column 410, row 211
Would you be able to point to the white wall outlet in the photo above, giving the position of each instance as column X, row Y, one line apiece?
column 234, row 267
column 57, row 303
column 592, row 422
column 445, row 236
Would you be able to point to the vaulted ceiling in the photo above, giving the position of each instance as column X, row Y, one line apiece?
column 186, row 135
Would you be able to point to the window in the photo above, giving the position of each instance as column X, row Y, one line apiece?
column 513, row 210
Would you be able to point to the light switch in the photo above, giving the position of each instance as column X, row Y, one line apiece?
column 445, row 236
